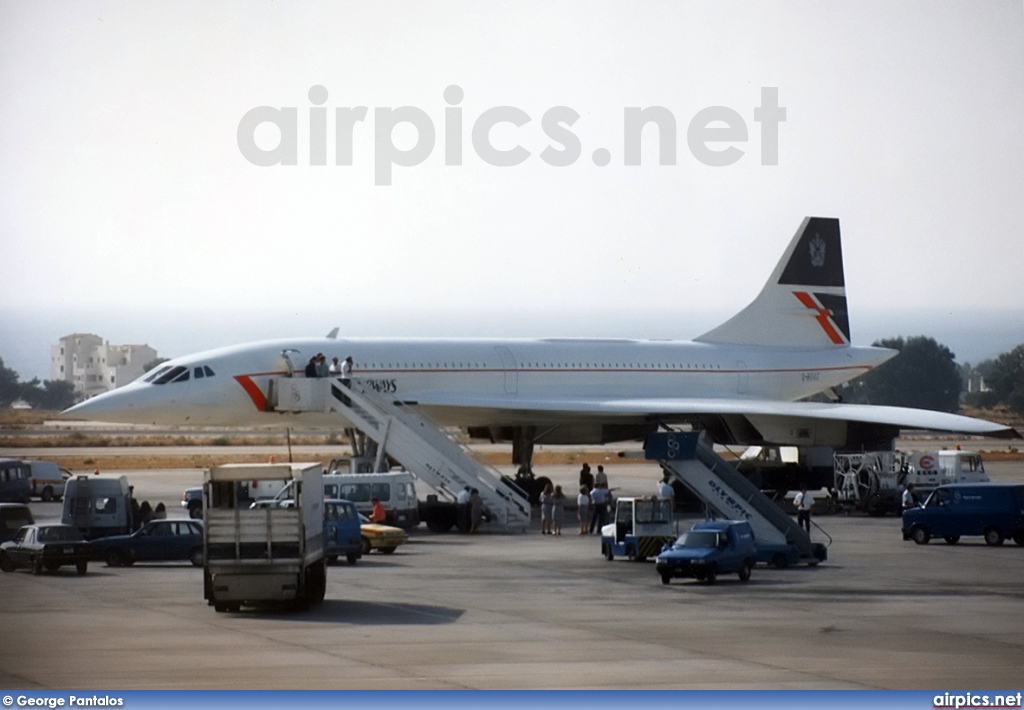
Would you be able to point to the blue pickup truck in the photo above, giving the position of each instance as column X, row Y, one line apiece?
column 709, row 549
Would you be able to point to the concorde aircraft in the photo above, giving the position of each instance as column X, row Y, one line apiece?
column 742, row 381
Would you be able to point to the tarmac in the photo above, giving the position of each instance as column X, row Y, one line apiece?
column 530, row 611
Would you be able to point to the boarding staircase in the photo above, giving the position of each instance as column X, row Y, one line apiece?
column 728, row 494
column 405, row 434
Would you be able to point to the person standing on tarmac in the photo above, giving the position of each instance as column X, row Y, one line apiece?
column 908, row 500
column 599, row 496
column 378, row 514
column 586, row 477
column 583, row 508
column 803, row 502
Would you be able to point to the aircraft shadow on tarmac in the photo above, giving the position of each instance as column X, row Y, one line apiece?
column 363, row 613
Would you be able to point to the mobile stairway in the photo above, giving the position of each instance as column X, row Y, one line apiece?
column 727, row 493
column 405, row 434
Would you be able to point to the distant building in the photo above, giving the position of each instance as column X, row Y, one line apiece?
column 95, row 366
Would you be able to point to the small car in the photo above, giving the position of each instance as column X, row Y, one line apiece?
column 377, row 536
column 708, row 549
column 342, row 533
column 156, row 541
column 13, row 517
column 45, row 547
column 192, row 499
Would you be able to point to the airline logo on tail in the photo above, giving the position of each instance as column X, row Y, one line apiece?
column 834, row 320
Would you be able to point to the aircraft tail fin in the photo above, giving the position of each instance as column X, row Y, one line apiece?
column 804, row 301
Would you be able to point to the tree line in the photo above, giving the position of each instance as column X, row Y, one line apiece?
column 926, row 375
column 48, row 394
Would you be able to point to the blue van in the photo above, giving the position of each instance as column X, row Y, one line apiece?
column 15, row 483
column 993, row 510
column 342, row 535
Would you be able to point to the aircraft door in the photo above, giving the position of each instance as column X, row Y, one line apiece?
column 508, row 364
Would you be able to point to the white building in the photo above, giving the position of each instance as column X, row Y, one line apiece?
column 95, row 366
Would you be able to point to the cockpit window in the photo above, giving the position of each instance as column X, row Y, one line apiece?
column 156, row 373
column 169, row 375
column 177, row 373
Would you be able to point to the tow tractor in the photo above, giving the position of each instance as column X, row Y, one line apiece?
column 641, row 528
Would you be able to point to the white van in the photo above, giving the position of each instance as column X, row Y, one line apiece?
column 395, row 489
column 48, row 479
column 99, row 506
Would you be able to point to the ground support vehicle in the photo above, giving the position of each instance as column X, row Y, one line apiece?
column 642, row 526
column 728, row 495
column 874, row 481
column 13, row 517
column 342, row 534
column 780, row 469
column 156, row 541
column 266, row 554
column 99, row 506
column 709, row 549
column 396, row 490
column 45, row 547
column 47, row 479
column 992, row 510
column 14, row 481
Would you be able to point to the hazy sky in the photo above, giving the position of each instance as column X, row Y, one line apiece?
column 130, row 207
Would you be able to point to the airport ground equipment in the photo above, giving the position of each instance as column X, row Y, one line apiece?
column 780, row 469
column 263, row 554
column 993, row 510
column 642, row 526
column 710, row 548
column 395, row 489
column 727, row 494
column 874, row 481
column 404, row 434
column 99, row 506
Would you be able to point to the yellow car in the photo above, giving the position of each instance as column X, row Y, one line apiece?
column 377, row 536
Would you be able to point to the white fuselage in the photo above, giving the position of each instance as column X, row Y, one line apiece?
column 485, row 382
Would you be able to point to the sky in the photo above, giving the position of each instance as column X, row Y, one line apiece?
column 190, row 174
